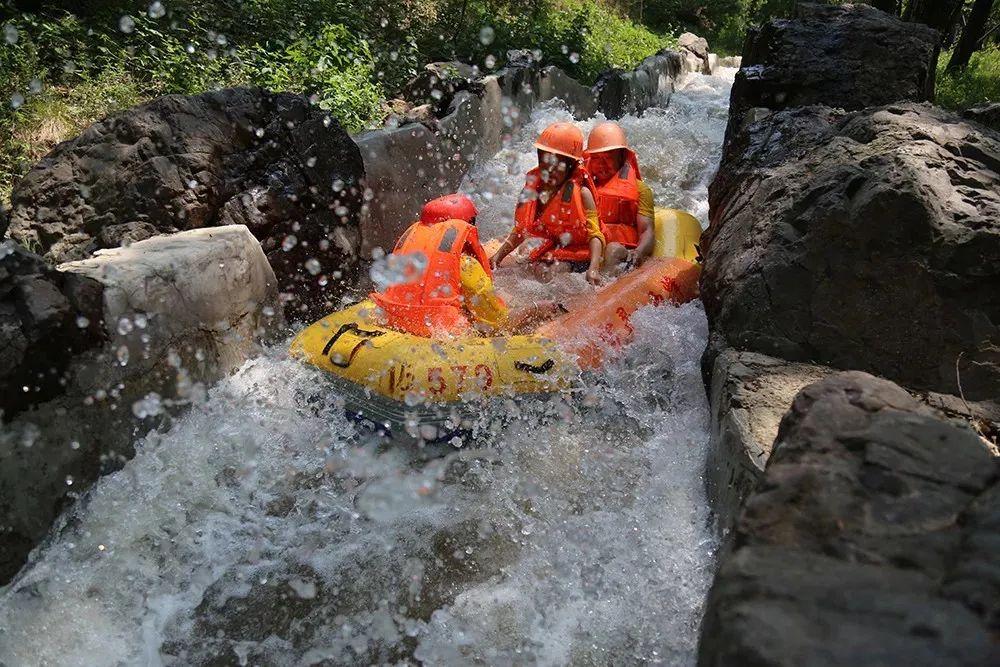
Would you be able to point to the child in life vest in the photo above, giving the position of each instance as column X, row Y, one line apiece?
column 558, row 206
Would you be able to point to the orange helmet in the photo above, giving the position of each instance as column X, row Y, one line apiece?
column 449, row 207
column 606, row 136
column 562, row 139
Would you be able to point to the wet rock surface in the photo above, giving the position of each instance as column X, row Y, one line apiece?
column 750, row 393
column 163, row 318
column 869, row 541
column 270, row 161
column 848, row 57
column 46, row 317
column 868, row 240
column 852, row 226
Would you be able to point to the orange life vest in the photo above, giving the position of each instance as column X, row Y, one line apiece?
column 561, row 222
column 433, row 303
column 618, row 204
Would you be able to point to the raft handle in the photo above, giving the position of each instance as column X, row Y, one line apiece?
column 541, row 368
column 350, row 326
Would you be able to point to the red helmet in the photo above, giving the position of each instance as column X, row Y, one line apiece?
column 449, row 207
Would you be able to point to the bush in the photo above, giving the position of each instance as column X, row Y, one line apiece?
column 332, row 66
column 979, row 83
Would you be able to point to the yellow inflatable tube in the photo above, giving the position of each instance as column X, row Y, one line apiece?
column 410, row 371
column 406, row 368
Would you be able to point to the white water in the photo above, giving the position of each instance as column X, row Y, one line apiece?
column 263, row 529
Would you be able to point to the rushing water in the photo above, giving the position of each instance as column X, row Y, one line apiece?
column 263, row 529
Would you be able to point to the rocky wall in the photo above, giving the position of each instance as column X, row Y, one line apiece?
column 853, row 225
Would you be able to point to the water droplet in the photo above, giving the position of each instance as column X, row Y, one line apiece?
column 74, row 444
column 313, row 266
column 289, row 242
column 189, row 48
column 486, row 35
column 326, row 121
column 259, row 132
column 122, row 355
column 192, row 184
column 490, row 61
column 564, row 49
column 267, row 311
column 140, row 320
column 10, row 34
column 126, row 24
column 338, row 185
column 35, row 86
column 69, row 480
column 148, row 406
column 311, row 162
column 156, row 10
column 574, row 57
column 17, row 100
column 124, row 326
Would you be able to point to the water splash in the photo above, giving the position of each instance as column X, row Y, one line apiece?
column 265, row 528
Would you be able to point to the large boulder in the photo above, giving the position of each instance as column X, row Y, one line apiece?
column 842, row 56
column 272, row 162
column 177, row 313
column 868, row 240
column 871, row 540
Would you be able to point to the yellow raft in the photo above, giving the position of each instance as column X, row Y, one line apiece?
column 389, row 376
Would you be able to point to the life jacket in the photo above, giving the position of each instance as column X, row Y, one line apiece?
column 433, row 303
column 561, row 222
column 618, row 204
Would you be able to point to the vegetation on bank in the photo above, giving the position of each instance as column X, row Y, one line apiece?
column 979, row 83
column 67, row 63
column 69, row 66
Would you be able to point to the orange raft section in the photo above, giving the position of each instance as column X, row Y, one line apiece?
column 599, row 324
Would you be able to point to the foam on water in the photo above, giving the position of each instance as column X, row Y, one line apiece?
column 264, row 528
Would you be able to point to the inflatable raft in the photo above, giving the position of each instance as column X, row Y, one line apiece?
column 423, row 387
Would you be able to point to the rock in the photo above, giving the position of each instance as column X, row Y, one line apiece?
column 178, row 312
column 521, row 58
column 270, row 161
column 39, row 330
column 868, row 240
column 859, row 545
column 987, row 114
column 652, row 82
column 692, row 44
column 842, row 56
column 695, row 44
column 750, row 393
column 437, row 85
column 421, row 114
column 125, row 234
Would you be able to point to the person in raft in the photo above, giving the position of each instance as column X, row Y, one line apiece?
column 455, row 293
column 624, row 202
column 558, row 206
